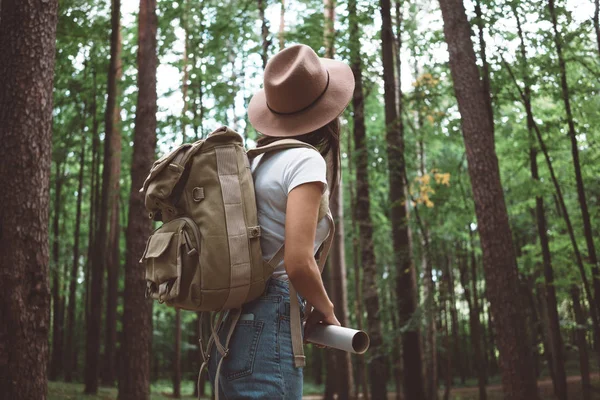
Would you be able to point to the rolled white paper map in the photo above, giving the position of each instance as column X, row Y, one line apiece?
column 338, row 337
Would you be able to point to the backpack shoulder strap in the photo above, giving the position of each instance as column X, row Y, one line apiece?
column 281, row 144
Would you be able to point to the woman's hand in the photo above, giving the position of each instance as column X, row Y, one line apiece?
column 316, row 317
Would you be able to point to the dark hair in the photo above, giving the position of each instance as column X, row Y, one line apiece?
column 325, row 139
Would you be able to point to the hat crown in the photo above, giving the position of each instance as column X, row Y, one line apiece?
column 294, row 79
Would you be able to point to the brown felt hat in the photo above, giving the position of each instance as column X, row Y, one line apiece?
column 301, row 93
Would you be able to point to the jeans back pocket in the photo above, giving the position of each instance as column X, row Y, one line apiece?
column 242, row 349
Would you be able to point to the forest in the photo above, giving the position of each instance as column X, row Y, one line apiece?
column 467, row 219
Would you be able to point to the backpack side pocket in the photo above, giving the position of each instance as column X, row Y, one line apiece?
column 163, row 265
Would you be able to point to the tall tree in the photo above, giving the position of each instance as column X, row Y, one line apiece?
column 134, row 381
column 100, row 259
column 56, row 362
column 27, row 45
column 339, row 365
column 406, row 295
column 113, row 254
column 585, row 215
column 71, row 308
column 185, row 10
column 496, row 239
column 555, row 339
column 363, row 216
column 470, row 293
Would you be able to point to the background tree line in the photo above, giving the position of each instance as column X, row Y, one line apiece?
column 467, row 219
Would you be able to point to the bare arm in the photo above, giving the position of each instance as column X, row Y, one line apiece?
column 301, row 267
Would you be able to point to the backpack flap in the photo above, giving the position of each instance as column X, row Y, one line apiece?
column 159, row 187
column 163, row 266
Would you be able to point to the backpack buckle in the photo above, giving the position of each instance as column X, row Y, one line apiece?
column 254, row 232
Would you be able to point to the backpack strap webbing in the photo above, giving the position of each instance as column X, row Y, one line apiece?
column 295, row 320
column 281, row 144
column 234, row 314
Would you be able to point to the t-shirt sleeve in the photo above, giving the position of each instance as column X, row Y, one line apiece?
column 305, row 165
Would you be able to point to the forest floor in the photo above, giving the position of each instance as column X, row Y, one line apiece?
column 74, row 391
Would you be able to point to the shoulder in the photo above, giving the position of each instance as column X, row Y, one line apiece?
column 302, row 155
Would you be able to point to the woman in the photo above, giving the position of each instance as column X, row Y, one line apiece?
column 302, row 99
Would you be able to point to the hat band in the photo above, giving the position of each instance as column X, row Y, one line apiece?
column 308, row 106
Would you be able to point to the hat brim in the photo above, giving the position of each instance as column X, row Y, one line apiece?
column 329, row 106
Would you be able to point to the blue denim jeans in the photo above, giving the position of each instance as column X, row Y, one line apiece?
column 260, row 363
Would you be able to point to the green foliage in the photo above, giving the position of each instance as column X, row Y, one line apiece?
column 223, row 62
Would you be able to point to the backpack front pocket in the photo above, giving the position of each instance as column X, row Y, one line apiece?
column 168, row 251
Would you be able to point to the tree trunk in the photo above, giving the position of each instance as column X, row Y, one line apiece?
column 584, row 363
column 93, row 199
column 339, row 294
column 562, row 208
column 113, row 257
column 184, row 82
column 101, row 256
column 70, row 363
column 368, row 260
column 429, row 305
column 496, row 239
column 340, row 377
column 25, row 151
column 447, row 289
column 134, row 382
column 282, row 26
column 474, row 323
column 177, row 356
column 56, row 362
column 406, row 295
column 361, row 382
column 328, row 29
column 554, row 336
column 485, row 69
column 587, row 226
column 264, row 33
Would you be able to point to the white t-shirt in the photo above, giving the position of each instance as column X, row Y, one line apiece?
column 274, row 178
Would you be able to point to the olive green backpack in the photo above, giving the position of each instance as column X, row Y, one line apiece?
column 206, row 256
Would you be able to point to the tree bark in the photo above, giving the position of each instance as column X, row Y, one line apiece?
column 184, row 82
column 134, row 382
column 585, row 215
column 113, row 255
column 27, row 45
column 496, row 239
column 70, row 334
column 56, row 362
column 406, row 295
